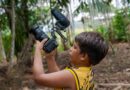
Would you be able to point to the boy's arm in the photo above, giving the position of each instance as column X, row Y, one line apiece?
column 60, row 79
column 37, row 63
column 50, row 58
column 52, row 65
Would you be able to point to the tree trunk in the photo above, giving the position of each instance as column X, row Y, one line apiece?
column 71, row 18
column 92, row 14
column 83, row 22
column 25, row 56
column 70, row 32
column 26, row 15
column 3, row 57
column 13, row 36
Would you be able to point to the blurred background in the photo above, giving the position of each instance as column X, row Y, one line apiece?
column 111, row 18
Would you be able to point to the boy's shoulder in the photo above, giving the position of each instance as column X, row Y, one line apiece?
column 80, row 70
column 83, row 75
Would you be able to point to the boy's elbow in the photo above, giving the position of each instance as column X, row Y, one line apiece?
column 36, row 79
column 39, row 80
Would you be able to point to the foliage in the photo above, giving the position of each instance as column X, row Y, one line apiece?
column 60, row 48
column 102, row 6
column 20, row 37
column 103, row 31
column 3, row 21
column 124, row 2
column 59, row 3
column 83, row 7
column 6, row 36
column 63, row 2
column 120, row 23
column 28, row 13
column 6, row 33
column 24, row 18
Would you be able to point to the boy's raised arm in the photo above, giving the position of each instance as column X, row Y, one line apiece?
column 37, row 64
column 60, row 79
column 52, row 65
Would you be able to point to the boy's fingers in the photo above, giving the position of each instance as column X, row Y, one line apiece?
column 44, row 40
column 37, row 41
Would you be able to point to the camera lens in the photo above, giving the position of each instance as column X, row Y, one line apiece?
column 38, row 33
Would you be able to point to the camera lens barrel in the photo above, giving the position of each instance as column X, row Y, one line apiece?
column 38, row 33
column 50, row 45
column 62, row 21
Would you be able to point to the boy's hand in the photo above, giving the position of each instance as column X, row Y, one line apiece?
column 39, row 45
column 50, row 55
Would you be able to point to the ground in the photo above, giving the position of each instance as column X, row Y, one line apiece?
column 113, row 73
column 114, row 70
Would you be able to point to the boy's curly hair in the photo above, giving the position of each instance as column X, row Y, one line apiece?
column 93, row 44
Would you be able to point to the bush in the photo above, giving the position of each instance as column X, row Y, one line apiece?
column 119, row 23
column 104, row 31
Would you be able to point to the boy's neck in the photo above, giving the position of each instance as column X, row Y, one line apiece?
column 88, row 65
column 84, row 63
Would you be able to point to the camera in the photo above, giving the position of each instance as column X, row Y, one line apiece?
column 51, row 43
column 62, row 21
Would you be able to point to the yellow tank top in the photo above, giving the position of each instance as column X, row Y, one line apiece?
column 83, row 77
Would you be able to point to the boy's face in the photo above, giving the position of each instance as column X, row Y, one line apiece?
column 75, row 53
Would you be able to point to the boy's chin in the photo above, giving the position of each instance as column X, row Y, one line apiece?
column 71, row 61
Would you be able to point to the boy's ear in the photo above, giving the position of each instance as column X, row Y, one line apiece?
column 84, row 56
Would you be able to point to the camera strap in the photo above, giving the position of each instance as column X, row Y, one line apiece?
column 51, row 7
column 51, row 14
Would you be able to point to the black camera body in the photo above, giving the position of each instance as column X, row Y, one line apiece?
column 51, row 43
column 39, row 34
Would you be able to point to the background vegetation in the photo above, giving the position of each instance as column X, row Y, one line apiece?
column 18, row 16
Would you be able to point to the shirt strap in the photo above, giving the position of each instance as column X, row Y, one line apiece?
column 75, row 76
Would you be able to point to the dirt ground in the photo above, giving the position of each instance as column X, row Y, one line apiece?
column 113, row 73
column 114, row 70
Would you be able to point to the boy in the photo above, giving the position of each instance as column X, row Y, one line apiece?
column 88, row 49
